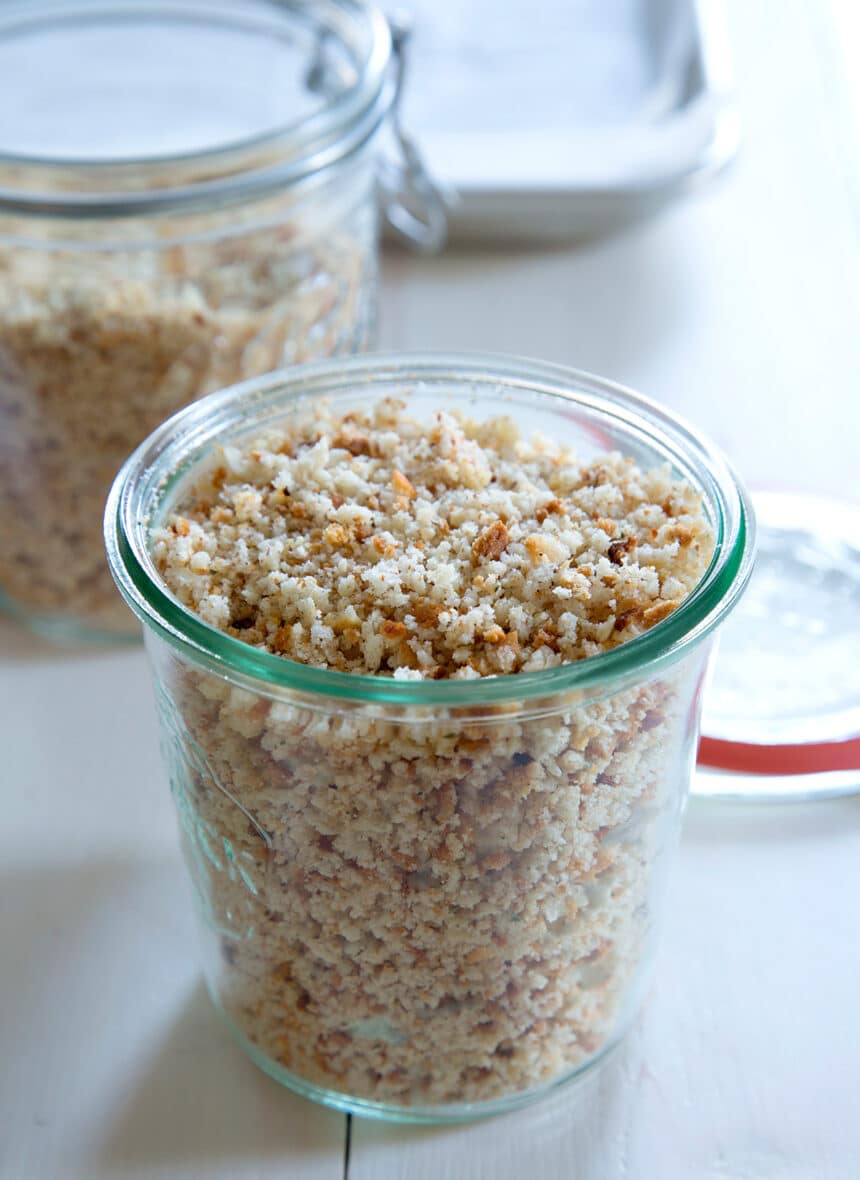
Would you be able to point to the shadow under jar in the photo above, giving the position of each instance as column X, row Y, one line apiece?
column 187, row 199
column 427, row 900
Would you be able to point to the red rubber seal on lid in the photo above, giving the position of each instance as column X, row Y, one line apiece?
column 809, row 758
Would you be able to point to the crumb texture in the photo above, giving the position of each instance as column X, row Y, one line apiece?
column 98, row 347
column 453, row 905
column 372, row 543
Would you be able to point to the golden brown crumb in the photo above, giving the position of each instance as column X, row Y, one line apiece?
column 427, row 613
column 492, row 542
column 402, row 485
column 552, row 507
column 658, row 612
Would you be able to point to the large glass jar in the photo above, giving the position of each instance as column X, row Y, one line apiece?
column 427, row 900
column 187, row 199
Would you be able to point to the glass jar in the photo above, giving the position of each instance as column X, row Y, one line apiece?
column 428, row 900
column 187, row 199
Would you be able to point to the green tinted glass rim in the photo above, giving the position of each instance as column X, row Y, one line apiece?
column 197, row 426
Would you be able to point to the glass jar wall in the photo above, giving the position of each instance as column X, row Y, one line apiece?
column 427, row 899
column 187, row 199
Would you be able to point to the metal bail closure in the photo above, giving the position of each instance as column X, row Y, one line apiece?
column 414, row 206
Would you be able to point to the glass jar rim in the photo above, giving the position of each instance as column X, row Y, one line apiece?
column 235, row 171
column 162, row 458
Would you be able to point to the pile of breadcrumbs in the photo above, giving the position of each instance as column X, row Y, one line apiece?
column 98, row 347
column 373, row 544
column 451, row 905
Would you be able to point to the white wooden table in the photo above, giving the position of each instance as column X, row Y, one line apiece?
column 738, row 308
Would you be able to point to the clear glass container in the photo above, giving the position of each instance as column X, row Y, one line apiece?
column 428, row 900
column 781, row 720
column 187, row 199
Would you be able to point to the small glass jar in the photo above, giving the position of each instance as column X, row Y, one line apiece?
column 188, row 198
column 428, row 900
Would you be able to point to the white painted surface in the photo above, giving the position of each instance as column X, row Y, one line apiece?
column 738, row 308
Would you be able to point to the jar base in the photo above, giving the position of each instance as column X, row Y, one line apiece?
column 449, row 1113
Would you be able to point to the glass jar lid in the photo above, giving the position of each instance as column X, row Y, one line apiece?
column 106, row 83
column 785, row 695
column 125, row 107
